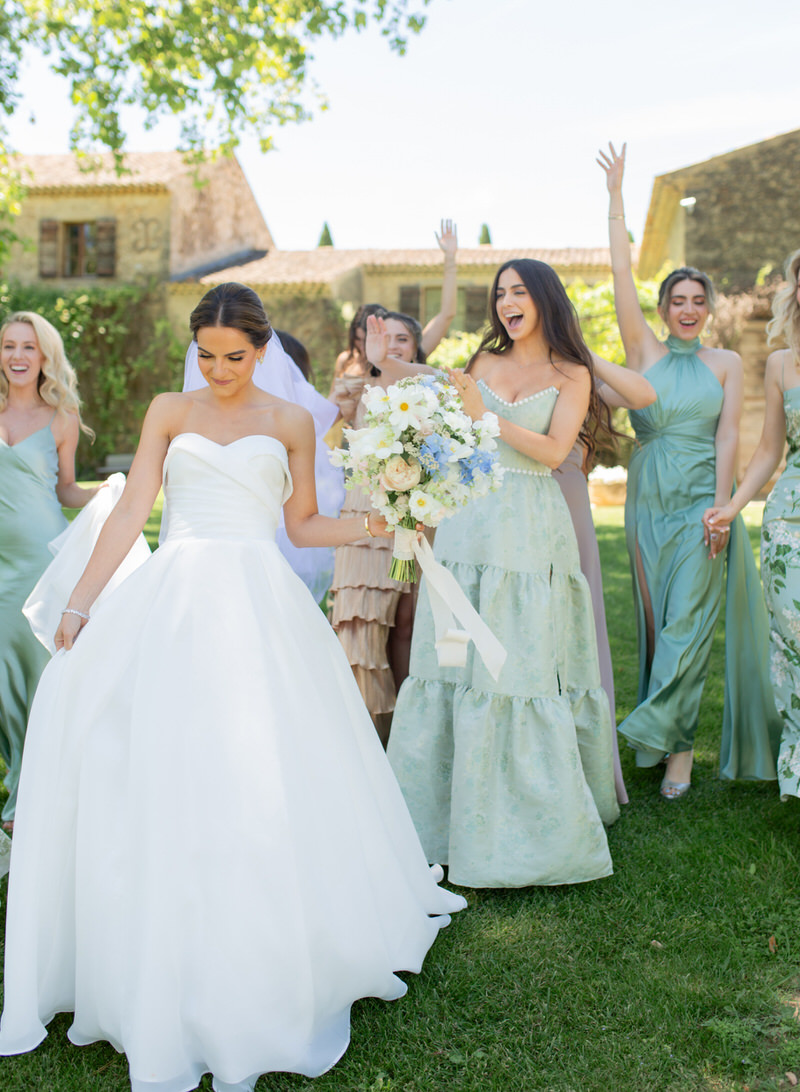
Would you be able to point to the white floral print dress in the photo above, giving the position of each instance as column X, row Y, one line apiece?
column 780, row 572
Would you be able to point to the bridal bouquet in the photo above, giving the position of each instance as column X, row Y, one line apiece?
column 420, row 457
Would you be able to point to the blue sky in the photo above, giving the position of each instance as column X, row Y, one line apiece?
column 495, row 114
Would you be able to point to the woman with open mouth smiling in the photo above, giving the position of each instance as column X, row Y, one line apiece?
column 511, row 781
column 684, row 465
column 39, row 429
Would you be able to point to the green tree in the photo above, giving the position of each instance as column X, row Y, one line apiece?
column 325, row 238
column 224, row 67
column 484, row 239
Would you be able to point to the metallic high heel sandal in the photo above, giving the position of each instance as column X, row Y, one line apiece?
column 674, row 790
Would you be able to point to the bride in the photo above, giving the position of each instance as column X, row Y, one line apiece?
column 212, row 859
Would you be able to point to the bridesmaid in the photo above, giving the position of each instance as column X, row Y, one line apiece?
column 39, row 429
column 353, row 361
column 780, row 529
column 683, row 466
column 510, row 780
column 616, row 386
column 373, row 615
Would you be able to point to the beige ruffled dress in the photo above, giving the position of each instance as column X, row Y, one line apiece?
column 364, row 598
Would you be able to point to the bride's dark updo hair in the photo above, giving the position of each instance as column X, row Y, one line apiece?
column 235, row 305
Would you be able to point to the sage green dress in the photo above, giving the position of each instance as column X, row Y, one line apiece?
column 671, row 482
column 780, row 572
column 30, row 516
column 509, row 781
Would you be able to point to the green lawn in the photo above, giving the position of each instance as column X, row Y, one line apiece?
column 678, row 973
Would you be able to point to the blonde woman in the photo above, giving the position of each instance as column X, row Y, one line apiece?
column 780, row 529
column 39, row 429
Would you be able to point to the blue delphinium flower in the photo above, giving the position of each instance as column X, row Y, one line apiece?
column 433, row 455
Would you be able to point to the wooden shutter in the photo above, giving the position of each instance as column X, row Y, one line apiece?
column 409, row 300
column 476, row 306
column 48, row 248
column 106, row 247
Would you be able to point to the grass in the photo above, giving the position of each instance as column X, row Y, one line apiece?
column 680, row 972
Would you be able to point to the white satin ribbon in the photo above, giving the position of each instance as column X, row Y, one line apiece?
column 450, row 605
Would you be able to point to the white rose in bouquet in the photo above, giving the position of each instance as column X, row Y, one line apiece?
column 401, row 474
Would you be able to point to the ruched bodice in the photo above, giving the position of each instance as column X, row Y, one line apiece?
column 228, row 491
column 671, row 482
column 212, row 860
column 675, row 466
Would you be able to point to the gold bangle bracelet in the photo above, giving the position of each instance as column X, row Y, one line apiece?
column 616, row 216
column 366, row 526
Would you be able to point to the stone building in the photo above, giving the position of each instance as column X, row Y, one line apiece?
column 402, row 280
column 731, row 216
column 158, row 220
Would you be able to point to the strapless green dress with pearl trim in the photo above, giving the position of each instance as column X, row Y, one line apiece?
column 510, row 781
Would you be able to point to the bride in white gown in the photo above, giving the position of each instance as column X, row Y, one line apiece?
column 212, row 859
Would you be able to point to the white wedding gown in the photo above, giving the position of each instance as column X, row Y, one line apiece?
column 211, row 859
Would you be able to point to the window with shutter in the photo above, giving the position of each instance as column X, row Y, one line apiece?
column 106, row 247
column 410, row 300
column 48, row 248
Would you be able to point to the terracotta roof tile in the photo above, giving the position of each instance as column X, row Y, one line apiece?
column 53, row 172
column 322, row 265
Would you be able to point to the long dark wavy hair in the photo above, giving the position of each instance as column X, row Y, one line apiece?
column 235, row 305
column 562, row 332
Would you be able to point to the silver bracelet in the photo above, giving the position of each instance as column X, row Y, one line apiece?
column 80, row 613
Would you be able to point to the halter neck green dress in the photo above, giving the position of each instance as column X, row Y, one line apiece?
column 780, row 572
column 671, row 482
column 30, row 516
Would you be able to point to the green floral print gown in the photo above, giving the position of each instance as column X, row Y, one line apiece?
column 780, row 573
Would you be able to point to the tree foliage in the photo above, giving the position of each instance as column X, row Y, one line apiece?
column 224, row 67
column 484, row 237
column 325, row 238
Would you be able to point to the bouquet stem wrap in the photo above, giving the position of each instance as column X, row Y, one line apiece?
column 402, row 567
column 448, row 604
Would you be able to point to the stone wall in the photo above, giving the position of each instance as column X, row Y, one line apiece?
column 215, row 220
column 142, row 232
column 747, row 210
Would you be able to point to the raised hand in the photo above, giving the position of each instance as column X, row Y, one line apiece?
column 376, row 346
column 447, row 238
column 613, row 163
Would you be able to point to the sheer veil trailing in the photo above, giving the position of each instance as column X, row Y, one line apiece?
column 278, row 374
